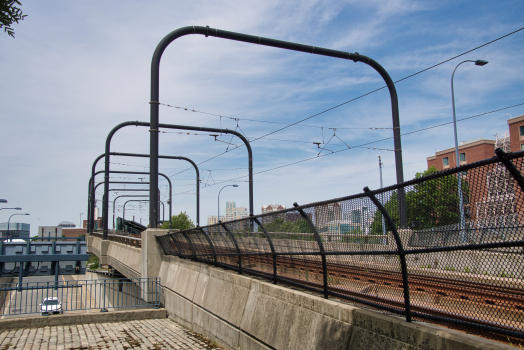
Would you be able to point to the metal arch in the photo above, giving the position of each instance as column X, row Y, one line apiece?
column 92, row 200
column 154, row 174
column 252, row 39
column 124, row 195
column 91, row 194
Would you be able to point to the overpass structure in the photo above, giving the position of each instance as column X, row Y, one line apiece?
column 238, row 311
column 306, row 277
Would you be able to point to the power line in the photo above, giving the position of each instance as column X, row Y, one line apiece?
column 359, row 97
column 349, row 101
column 262, row 121
column 363, row 145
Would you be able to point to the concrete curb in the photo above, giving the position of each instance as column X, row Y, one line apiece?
column 73, row 319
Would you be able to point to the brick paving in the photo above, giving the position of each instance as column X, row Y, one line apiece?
column 145, row 334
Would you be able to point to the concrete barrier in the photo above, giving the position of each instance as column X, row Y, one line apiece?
column 125, row 258
column 240, row 312
column 81, row 318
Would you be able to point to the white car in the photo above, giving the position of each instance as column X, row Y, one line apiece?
column 51, row 306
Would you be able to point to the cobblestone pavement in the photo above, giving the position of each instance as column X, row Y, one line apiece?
column 145, row 334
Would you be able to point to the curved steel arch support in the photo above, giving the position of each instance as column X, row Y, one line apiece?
column 400, row 248
column 320, row 247
column 273, row 252
column 91, row 193
column 210, row 244
column 153, row 178
column 239, row 254
column 253, row 39
column 191, row 245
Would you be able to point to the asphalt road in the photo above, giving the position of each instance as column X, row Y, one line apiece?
column 21, row 303
column 89, row 295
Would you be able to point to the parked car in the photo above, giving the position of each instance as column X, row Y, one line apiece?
column 51, row 306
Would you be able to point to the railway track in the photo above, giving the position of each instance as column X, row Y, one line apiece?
column 464, row 300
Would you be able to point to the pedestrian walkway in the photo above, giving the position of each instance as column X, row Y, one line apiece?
column 145, row 334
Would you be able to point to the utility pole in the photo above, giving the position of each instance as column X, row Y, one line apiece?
column 382, row 195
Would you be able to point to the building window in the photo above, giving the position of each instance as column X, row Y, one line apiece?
column 522, row 147
column 445, row 161
column 462, row 157
column 521, row 129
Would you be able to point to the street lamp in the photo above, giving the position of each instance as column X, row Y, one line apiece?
column 457, row 159
column 218, row 217
column 3, row 200
column 17, row 208
column 8, row 221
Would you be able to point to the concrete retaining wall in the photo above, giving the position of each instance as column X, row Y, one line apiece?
column 125, row 258
column 240, row 312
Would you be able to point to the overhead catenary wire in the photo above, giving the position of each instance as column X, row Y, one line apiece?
column 361, row 146
column 354, row 147
column 260, row 121
column 352, row 100
column 358, row 97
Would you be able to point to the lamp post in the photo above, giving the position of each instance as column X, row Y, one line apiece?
column 8, row 221
column 17, row 208
column 457, row 156
column 218, row 217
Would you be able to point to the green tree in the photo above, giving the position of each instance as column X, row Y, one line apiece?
column 179, row 222
column 9, row 14
column 279, row 225
column 431, row 203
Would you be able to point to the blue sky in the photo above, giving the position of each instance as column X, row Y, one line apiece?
column 77, row 69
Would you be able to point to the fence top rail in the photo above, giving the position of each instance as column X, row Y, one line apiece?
column 75, row 282
column 42, row 238
column 118, row 236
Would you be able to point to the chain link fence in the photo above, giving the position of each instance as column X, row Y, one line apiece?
column 446, row 248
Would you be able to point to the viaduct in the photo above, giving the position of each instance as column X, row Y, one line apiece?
column 243, row 312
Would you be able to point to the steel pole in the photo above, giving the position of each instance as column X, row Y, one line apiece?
column 252, row 39
column 382, row 196
column 462, row 220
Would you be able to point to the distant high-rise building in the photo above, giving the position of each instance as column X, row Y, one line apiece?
column 241, row 213
column 212, row 219
column 326, row 213
column 234, row 213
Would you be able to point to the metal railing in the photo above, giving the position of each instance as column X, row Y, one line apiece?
column 82, row 295
column 432, row 269
column 133, row 241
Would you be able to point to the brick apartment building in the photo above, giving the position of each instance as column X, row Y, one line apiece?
column 492, row 189
column 469, row 151
column 477, row 149
column 269, row 209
